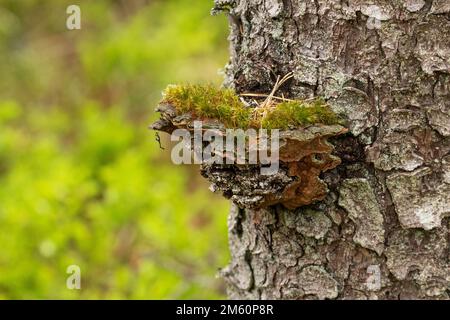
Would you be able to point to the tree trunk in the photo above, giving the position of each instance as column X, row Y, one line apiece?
column 382, row 231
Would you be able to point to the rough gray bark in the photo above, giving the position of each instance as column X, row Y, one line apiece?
column 385, row 65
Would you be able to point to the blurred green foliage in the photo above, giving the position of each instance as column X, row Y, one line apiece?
column 82, row 180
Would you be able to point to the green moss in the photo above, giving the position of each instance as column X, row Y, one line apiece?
column 207, row 101
column 298, row 114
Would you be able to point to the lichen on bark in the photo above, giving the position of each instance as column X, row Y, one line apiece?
column 381, row 229
column 358, row 198
column 386, row 66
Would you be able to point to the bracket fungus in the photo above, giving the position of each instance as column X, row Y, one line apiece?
column 302, row 152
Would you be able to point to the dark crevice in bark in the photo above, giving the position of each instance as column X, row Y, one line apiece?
column 239, row 219
column 248, row 258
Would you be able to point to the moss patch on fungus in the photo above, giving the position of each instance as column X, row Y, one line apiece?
column 207, row 101
column 298, row 114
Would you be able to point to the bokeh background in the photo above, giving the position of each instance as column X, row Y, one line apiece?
column 82, row 179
